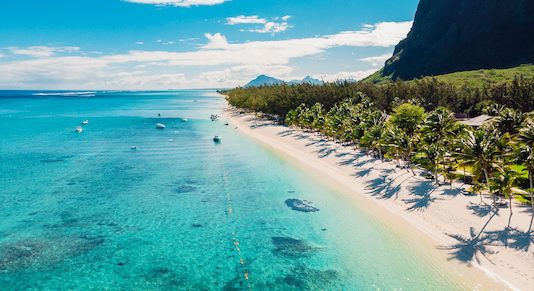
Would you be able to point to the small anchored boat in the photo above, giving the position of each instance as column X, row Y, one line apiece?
column 85, row 122
column 216, row 139
column 78, row 129
column 185, row 120
column 160, row 126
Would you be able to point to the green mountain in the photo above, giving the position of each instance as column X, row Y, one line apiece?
column 463, row 35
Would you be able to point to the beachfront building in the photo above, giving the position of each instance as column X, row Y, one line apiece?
column 477, row 121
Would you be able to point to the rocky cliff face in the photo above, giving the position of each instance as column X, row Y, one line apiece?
column 459, row 35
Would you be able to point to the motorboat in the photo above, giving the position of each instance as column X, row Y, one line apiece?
column 216, row 139
column 85, row 122
column 185, row 120
column 160, row 126
column 78, row 129
column 133, row 148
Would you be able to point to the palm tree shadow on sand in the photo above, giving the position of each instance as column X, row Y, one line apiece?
column 383, row 188
column 469, row 248
column 423, row 196
column 481, row 210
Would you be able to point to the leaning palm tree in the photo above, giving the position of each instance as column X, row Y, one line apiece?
column 526, row 154
column 480, row 151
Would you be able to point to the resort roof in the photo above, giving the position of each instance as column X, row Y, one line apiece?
column 477, row 121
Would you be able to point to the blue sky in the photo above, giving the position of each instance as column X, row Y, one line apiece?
column 172, row 44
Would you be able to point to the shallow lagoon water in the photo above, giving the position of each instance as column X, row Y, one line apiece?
column 85, row 211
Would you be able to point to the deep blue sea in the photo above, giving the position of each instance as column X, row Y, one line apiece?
column 84, row 211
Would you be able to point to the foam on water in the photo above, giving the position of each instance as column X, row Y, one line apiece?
column 85, row 211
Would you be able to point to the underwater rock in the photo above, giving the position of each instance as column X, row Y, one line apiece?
column 165, row 278
column 56, row 160
column 44, row 251
column 290, row 247
column 184, row 189
column 304, row 278
column 301, row 205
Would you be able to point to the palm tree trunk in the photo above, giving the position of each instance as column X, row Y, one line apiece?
column 510, row 200
column 436, row 173
column 486, row 175
column 380, row 153
column 531, row 191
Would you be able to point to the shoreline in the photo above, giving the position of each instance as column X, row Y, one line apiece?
column 439, row 220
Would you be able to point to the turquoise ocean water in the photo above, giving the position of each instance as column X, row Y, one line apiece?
column 85, row 211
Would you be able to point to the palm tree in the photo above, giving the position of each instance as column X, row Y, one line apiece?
column 504, row 182
column 402, row 145
column 508, row 121
column 437, row 130
column 526, row 154
column 373, row 138
column 479, row 150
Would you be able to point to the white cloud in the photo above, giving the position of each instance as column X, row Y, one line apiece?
column 377, row 60
column 355, row 76
column 242, row 19
column 267, row 26
column 223, row 63
column 42, row 51
column 272, row 27
column 188, row 39
column 179, row 3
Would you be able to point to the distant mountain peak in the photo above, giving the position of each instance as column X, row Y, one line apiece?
column 264, row 80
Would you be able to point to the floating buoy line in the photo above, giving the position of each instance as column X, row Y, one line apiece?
column 236, row 244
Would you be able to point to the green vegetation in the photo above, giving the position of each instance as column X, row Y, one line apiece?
column 473, row 79
column 428, row 93
column 480, row 78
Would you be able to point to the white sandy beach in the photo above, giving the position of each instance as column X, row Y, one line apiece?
column 459, row 233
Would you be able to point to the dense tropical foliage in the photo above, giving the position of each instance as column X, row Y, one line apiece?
column 429, row 93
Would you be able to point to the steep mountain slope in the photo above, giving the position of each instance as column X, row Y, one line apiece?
column 460, row 35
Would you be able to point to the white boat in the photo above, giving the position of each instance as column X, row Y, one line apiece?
column 79, row 129
column 185, row 120
column 160, row 126
column 133, row 148
column 85, row 122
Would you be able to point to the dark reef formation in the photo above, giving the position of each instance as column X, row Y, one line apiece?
column 301, row 205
